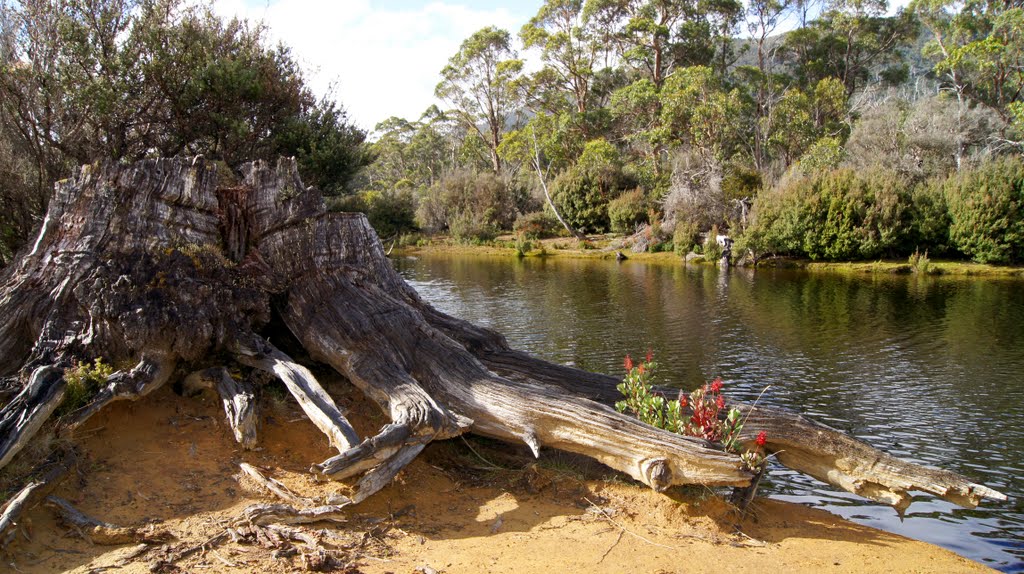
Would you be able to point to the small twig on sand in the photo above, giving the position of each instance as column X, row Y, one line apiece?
column 612, row 547
column 623, row 529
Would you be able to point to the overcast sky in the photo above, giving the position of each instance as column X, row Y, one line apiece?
column 384, row 56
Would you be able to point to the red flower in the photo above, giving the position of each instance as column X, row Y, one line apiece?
column 762, row 438
column 682, row 401
column 640, row 369
column 628, row 363
column 650, row 355
column 720, row 402
column 716, row 385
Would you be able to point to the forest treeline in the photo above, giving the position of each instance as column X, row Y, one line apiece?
column 815, row 128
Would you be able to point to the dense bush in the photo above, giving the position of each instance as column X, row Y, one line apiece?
column 536, row 225
column 582, row 192
column 627, row 211
column 986, row 211
column 582, row 202
column 836, row 215
column 469, row 205
column 389, row 212
column 930, row 217
column 685, row 235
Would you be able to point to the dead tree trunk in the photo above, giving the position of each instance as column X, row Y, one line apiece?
column 161, row 268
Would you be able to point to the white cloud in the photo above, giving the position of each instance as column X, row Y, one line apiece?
column 384, row 62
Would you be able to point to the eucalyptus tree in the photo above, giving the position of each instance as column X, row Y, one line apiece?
column 482, row 82
column 852, row 40
column 571, row 50
column 656, row 36
column 978, row 52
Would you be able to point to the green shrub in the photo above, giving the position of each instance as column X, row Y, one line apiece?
column 83, row 382
column 685, row 235
column 627, row 211
column 837, row 215
column 470, row 205
column 582, row 201
column 920, row 263
column 986, row 211
column 536, row 225
column 929, row 217
column 522, row 245
column 390, row 212
column 712, row 249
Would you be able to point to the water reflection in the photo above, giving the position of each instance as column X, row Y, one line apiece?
column 929, row 369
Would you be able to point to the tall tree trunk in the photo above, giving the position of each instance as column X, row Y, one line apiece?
column 169, row 266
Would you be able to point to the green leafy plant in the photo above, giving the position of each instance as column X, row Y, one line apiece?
column 83, row 382
column 702, row 413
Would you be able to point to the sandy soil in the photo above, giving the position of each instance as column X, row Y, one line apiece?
column 169, row 463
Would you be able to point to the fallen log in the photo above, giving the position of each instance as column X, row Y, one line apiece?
column 162, row 265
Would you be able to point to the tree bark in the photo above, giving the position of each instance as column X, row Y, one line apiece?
column 168, row 264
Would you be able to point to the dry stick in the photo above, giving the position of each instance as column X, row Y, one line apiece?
column 264, row 514
column 623, row 529
column 275, row 487
column 210, row 543
column 612, row 547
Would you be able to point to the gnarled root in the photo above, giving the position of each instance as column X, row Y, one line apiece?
column 96, row 531
column 238, row 397
column 34, row 492
column 22, row 418
column 151, row 372
column 433, row 388
column 257, row 352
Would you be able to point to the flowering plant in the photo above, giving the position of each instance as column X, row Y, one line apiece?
column 697, row 414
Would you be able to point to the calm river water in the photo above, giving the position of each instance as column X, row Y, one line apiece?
column 930, row 369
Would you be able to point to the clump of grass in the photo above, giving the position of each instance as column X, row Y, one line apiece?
column 919, row 262
column 83, row 382
column 522, row 245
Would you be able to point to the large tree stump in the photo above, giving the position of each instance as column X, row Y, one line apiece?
column 167, row 266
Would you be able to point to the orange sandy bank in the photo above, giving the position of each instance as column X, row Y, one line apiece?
column 170, row 462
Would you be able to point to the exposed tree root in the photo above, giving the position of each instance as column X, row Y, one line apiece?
column 22, row 418
column 47, row 478
column 99, row 532
column 238, row 397
column 153, row 370
column 314, row 400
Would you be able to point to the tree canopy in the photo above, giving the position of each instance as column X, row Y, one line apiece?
column 129, row 79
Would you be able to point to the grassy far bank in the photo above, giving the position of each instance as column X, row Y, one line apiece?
column 609, row 245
